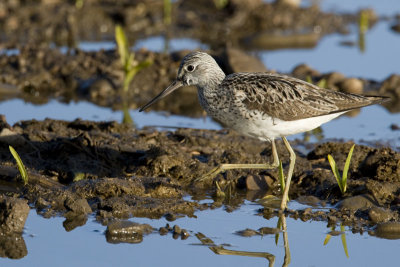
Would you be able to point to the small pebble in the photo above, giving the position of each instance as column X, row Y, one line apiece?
column 175, row 235
column 268, row 230
column 163, row 231
column 394, row 127
column 176, row 229
column 247, row 232
column 184, row 234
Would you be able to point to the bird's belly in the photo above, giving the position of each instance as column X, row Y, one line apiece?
column 268, row 128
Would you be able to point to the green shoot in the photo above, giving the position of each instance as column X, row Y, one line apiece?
column 342, row 236
column 127, row 119
column 130, row 65
column 123, row 46
column 79, row 176
column 344, row 243
column 363, row 25
column 20, row 164
column 167, row 12
column 220, row 4
column 321, row 83
column 79, row 4
column 363, row 22
column 279, row 226
column 328, row 236
column 341, row 180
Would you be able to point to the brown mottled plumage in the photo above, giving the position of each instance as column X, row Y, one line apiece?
column 290, row 99
column 262, row 105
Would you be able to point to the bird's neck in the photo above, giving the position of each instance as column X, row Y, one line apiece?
column 212, row 82
column 208, row 90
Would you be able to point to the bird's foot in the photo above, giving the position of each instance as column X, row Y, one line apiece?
column 211, row 174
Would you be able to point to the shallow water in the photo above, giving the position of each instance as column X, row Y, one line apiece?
column 377, row 62
column 49, row 244
column 372, row 124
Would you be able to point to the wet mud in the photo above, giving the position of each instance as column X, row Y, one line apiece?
column 81, row 167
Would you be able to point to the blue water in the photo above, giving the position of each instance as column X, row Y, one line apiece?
column 49, row 244
column 378, row 62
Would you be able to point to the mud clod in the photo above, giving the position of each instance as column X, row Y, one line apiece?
column 126, row 232
column 78, row 206
column 388, row 230
column 13, row 214
column 357, row 203
column 380, row 215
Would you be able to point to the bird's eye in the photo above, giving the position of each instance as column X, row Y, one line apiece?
column 190, row 68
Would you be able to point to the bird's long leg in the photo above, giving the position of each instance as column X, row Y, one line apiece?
column 223, row 167
column 290, row 172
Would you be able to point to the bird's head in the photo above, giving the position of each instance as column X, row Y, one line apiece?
column 197, row 69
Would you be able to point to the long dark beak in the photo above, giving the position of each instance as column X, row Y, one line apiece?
column 175, row 85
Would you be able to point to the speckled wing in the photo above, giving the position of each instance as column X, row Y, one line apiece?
column 288, row 98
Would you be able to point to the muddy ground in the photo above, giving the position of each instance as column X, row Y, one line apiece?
column 115, row 171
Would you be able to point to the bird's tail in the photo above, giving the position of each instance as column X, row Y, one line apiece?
column 377, row 99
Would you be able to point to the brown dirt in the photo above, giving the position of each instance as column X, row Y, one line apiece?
column 126, row 172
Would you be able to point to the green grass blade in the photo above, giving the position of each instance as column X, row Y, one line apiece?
column 20, row 164
column 167, row 12
column 279, row 226
column 220, row 4
column 363, row 21
column 128, row 78
column 322, row 83
column 346, row 168
column 335, row 172
column 344, row 243
column 133, row 71
column 123, row 47
column 327, row 238
column 144, row 64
